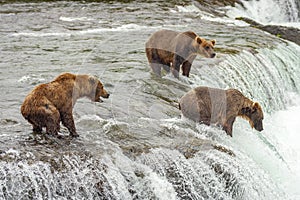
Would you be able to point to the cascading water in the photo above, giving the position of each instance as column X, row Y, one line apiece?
column 268, row 11
column 136, row 146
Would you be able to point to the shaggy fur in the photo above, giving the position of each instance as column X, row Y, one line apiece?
column 169, row 49
column 220, row 107
column 50, row 103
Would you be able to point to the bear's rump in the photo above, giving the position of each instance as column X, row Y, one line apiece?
column 40, row 108
column 189, row 106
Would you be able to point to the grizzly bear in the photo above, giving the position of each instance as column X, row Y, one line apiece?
column 166, row 46
column 220, row 107
column 50, row 103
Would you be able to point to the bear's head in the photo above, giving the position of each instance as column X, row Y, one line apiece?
column 98, row 90
column 255, row 115
column 204, row 47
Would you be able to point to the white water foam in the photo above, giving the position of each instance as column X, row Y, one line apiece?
column 207, row 16
column 32, row 79
column 188, row 9
column 225, row 20
column 72, row 19
column 283, row 132
column 161, row 187
column 123, row 28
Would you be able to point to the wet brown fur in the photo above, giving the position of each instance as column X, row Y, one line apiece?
column 220, row 107
column 168, row 49
column 50, row 103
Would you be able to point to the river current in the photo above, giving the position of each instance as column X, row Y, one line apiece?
column 136, row 145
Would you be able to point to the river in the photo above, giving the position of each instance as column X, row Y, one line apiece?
column 136, row 145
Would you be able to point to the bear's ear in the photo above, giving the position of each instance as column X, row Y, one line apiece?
column 92, row 79
column 213, row 42
column 198, row 40
column 255, row 106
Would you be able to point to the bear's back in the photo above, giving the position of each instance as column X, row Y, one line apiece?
column 65, row 77
column 161, row 39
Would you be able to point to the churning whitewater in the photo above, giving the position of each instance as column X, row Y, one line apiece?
column 136, row 144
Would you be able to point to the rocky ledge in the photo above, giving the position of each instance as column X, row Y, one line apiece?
column 284, row 32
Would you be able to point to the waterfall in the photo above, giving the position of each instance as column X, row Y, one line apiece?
column 268, row 11
column 159, row 174
column 137, row 146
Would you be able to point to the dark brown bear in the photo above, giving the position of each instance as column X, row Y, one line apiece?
column 50, row 103
column 170, row 49
column 220, row 107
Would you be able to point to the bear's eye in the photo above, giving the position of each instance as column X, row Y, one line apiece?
column 207, row 48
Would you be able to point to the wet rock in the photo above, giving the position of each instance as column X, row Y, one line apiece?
column 219, row 2
column 191, row 147
column 223, row 149
column 7, row 122
column 288, row 33
column 135, row 150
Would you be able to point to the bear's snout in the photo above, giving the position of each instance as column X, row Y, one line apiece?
column 106, row 95
column 213, row 55
column 260, row 129
column 259, row 126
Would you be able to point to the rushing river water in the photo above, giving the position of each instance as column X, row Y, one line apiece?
column 135, row 145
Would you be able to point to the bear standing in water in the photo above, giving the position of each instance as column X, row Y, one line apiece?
column 220, row 107
column 166, row 46
column 50, row 103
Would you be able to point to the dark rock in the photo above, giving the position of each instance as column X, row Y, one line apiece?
column 223, row 149
column 219, row 2
column 288, row 33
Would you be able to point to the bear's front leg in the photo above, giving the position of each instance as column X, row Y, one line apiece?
column 186, row 66
column 68, row 121
column 52, row 122
column 227, row 127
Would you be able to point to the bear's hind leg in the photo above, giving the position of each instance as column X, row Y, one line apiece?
column 52, row 118
column 154, row 61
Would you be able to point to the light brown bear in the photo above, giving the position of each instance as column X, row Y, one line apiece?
column 50, row 103
column 221, row 107
column 171, row 49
